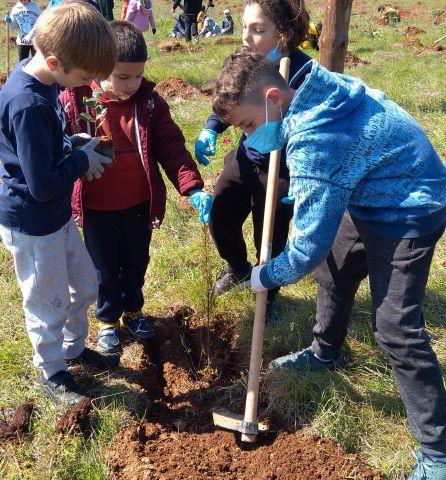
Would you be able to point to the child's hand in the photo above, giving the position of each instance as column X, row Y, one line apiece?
column 8, row 19
column 256, row 284
column 206, row 145
column 96, row 161
column 202, row 201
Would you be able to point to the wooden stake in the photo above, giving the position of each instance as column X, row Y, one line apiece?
column 334, row 37
column 255, row 364
column 8, row 66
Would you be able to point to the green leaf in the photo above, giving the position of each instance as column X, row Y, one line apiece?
column 97, row 92
column 89, row 102
column 86, row 116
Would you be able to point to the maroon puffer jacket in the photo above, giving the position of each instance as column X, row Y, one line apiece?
column 160, row 140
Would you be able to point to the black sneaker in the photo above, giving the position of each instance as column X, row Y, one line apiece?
column 62, row 387
column 272, row 317
column 228, row 281
column 97, row 360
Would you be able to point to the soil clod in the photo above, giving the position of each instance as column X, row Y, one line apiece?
column 77, row 419
column 19, row 422
column 351, row 60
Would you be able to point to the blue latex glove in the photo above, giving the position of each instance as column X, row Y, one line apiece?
column 206, row 145
column 202, row 201
column 8, row 19
column 288, row 200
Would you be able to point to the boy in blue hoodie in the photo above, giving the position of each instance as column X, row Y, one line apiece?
column 38, row 168
column 369, row 196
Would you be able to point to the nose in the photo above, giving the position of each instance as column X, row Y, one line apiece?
column 246, row 37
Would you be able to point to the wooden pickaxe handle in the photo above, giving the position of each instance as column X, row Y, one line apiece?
column 255, row 364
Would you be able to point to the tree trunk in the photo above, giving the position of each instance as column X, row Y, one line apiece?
column 334, row 38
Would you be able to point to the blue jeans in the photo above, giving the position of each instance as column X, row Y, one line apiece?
column 398, row 271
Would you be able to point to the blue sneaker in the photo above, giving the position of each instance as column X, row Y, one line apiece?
column 428, row 469
column 305, row 360
column 138, row 325
column 108, row 339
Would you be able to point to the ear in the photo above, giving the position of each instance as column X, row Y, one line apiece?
column 275, row 95
column 53, row 63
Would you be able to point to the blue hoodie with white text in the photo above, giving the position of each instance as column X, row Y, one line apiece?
column 351, row 148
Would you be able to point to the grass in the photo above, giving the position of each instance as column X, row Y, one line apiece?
column 359, row 406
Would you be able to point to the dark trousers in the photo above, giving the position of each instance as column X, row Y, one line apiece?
column 191, row 25
column 118, row 243
column 25, row 50
column 398, row 271
column 241, row 190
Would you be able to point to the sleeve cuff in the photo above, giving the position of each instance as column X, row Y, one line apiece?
column 265, row 279
column 214, row 123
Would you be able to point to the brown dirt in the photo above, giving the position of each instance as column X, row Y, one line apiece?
column 19, row 422
column 175, row 87
column 147, row 451
column 226, row 41
column 77, row 419
column 351, row 60
column 412, row 30
column 412, row 42
column 3, row 78
column 172, row 46
column 177, row 440
column 105, row 147
column 432, row 49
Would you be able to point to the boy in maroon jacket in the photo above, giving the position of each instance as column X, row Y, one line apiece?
column 119, row 211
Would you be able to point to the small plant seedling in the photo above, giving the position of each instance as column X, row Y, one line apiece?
column 105, row 146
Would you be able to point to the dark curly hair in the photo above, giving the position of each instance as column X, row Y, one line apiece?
column 290, row 19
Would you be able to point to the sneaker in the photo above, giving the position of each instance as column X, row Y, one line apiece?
column 228, row 280
column 108, row 339
column 428, row 469
column 305, row 360
column 137, row 324
column 272, row 316
column 62, row 387
column 97, row 360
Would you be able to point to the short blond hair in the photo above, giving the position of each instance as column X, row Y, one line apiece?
column 78, row 36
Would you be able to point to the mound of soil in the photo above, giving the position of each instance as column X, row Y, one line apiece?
column 77, row 419
column 432, row 49
column 412, row 42
column 147, row 451
column 412, row 30
column 351, row 60
column 176, row 87
column 19, row 422
column 172, row 46
column 181, row 373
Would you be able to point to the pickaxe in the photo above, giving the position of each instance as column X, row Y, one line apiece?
column 248, row 425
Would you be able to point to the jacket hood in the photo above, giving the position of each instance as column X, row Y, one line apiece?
column 322, row 97
column 145, row 89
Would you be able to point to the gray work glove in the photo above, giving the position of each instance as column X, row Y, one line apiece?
column 79, row 138
column 96, row 161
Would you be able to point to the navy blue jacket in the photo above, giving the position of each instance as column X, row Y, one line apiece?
column 297, row 60
column 36, row 164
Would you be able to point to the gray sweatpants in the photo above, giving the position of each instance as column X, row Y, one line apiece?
column 58, row 283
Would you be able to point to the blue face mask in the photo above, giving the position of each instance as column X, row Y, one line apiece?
column 265, row 138
column 274, row 54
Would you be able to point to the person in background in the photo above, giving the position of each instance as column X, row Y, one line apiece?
column 191, row 10
column 179, row 27
column 106, row 8
column 140, row 13
column 23, row 16
column 200, row 18
column 210, row 28
column 227, row 25
column 312, row 38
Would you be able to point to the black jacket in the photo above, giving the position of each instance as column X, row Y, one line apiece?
column 191, row 7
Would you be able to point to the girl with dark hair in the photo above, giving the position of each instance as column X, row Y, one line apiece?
column 273, row 28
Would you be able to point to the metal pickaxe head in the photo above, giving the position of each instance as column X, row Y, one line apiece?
column 231, row 421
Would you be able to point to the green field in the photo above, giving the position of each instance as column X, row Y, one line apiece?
column 359, row 406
